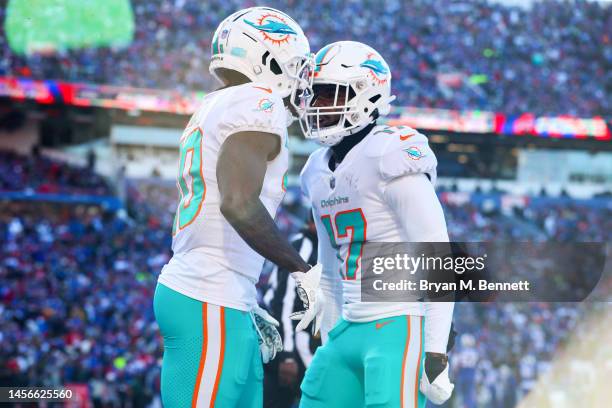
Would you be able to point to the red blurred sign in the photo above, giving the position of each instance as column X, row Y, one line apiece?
column 556, row 126
column 22, row 89
column 104, row 96
column 116, row 97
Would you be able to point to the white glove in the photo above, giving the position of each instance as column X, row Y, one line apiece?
column 440, row 390
column 270, row 341
column 307, row 287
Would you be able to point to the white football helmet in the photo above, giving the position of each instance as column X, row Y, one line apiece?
column 356, row 82
column 265, row 45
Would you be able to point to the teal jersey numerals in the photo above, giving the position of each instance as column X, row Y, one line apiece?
column 190, row 181
column 354, row 221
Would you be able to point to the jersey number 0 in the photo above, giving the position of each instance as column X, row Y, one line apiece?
column 190, row 181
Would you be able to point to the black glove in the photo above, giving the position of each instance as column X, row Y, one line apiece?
column 435, row 363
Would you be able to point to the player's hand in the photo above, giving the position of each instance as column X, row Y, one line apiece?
column 288, row 372
column 435, row 383
column 307, row 287
column 270, row 341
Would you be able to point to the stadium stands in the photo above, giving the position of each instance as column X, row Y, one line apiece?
column 38, row 174
column 78, row 275
column 547, row 59
column 75, row 303
column 75, row 306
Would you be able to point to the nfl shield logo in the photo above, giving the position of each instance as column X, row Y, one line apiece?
column 332, row 182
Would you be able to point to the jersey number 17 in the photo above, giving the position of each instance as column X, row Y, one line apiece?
column 355, row 221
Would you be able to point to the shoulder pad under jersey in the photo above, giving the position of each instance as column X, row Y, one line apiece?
column 401, row 150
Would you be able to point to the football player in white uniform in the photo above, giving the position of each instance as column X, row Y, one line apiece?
column 232, row 169
column 370, row 183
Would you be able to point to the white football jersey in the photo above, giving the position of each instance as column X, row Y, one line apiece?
column 211, row 262
column 330, row 283
column 349, row 208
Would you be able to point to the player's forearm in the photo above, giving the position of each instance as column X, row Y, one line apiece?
column 438, row 319
column 253, row 223
column 422, row 219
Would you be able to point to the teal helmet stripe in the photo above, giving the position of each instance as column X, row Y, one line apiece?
column 320, row 55
column 215, row 45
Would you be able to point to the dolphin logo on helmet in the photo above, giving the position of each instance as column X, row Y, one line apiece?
column 272, row 27
column 377, row 69
column 375, row 65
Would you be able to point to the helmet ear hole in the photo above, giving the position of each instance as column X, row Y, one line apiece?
column 274, row 67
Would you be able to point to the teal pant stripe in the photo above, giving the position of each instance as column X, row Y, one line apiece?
column 422, row 399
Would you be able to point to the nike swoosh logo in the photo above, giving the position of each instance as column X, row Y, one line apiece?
column 406, row 137
column 268, row 90
column 383, row 324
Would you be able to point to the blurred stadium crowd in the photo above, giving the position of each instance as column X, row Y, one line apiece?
column 38, row 174
column 471, row 54
column 78, row 282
